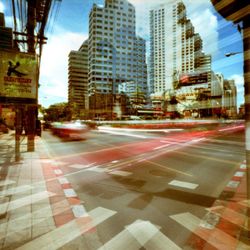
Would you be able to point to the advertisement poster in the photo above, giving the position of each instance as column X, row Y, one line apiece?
column 18, row 75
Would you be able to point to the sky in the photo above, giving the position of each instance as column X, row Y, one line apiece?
column 70, row 29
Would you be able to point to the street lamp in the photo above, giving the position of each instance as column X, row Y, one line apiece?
column 232, row 54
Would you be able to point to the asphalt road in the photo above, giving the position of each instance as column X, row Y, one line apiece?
column 151, row 181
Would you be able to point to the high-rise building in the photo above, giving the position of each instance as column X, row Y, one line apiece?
column 175, row 48
column 78, row 78
column 116, row 54
column 6, row 35
column 230, row 98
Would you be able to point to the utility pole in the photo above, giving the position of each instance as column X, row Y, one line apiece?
column 239, row 11
column 246, row 42
column 31, row 109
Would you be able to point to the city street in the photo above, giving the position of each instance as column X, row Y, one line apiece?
column 124, row 125
column 149, row 180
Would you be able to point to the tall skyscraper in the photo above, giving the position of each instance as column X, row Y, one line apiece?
column 116, row 54
column 175, row 48
column 78, row 78
column 6, row 36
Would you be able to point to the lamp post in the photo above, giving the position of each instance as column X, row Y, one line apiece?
column 232, row 54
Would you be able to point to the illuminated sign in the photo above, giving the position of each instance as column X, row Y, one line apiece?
column 18, row 75
column 195, row 78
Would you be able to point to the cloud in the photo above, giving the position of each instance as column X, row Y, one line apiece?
column 54, row 65
column 209, row 35
column 2, row 8
column 239, row 82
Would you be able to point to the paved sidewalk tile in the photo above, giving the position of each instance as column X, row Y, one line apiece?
column 35, row 197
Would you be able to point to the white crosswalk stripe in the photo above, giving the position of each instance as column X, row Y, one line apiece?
column 120, row 173
column 29, row 199
column 6, row 182
column 245, row 203
column 16, row 190
column 183, row 184
column 68, row 232
column 21, row 223
column 138, row 234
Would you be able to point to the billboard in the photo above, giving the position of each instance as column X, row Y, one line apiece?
column 193, row 78
column 18, row 75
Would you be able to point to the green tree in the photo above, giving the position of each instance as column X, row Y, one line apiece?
column 58, row 112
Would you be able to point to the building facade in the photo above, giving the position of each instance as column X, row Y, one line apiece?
column 78, row 80
column 116, row 54
column 175, row 48
column 177, row 61
column 6, row 35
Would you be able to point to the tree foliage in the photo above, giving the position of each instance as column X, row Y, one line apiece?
column 58, row 112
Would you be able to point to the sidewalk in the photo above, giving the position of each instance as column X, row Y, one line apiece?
column 21, row 183
column 36, row 200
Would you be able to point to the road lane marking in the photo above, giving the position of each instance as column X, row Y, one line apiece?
column 58, row 172
column 6, row 182
column 80, row 166
column 126, row 134
column 183, row 184
column 231, row 128
column 122, row 240
column 27, row 200
column 215, row 237
column 233, row 184
column 63, row 180
column 21, row 222
column 60, row 236
column 79, row 211
column 120, row 173
column 139, row 129
column 97, row 169
column 168, row 168
column 138, row 234
column 69, row 192
column 161, row 242
column 245, row 203
column 163, row 146
column 239, row 174
column 15, row 190
column 199, row 139
column 243, row 166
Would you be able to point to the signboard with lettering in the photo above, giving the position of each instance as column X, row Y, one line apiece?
column 193, row 78
column 18, row 75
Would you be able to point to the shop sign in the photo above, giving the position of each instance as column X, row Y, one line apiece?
column 18, row 75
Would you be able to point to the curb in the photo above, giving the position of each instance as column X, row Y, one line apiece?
column 66, row 205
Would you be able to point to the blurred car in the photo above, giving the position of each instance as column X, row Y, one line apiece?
column 70, row 130
column 46, row 125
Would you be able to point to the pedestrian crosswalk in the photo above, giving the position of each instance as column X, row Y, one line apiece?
column 68, row 232
column 140, row 234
